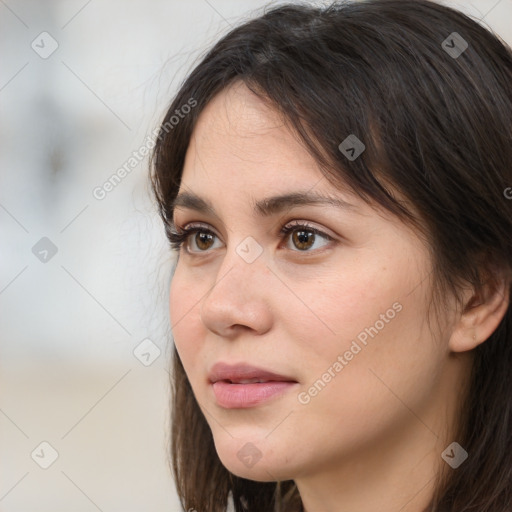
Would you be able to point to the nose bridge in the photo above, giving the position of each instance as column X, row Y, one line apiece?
column 238, row 296
column 242, row 266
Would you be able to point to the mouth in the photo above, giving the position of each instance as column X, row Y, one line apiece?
column 242, row 386
column 248, row 381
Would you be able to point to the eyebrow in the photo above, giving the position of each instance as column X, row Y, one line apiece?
column 264, row 207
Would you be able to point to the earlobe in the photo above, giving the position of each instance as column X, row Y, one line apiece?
column 481, row 316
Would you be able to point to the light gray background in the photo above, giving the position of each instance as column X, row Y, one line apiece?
column 69, row 326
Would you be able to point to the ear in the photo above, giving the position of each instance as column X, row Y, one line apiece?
column 481, row 315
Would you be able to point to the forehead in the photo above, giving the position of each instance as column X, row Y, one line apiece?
column 238, row 138
column 237, row 110
column 242, row 151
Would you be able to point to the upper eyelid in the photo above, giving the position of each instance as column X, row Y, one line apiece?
column 198, row 226
column 292, row 223
column 194, row 224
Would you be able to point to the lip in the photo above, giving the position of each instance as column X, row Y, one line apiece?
column 229, row 394
column 242, row 371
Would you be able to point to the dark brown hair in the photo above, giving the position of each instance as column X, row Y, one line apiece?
column 437, row 127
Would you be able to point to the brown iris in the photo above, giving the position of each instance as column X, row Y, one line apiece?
column 303, row 239
column 203, row 238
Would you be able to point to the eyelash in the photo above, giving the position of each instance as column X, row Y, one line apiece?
column 179, row 237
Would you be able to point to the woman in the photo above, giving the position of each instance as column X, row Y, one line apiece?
column 335, row 182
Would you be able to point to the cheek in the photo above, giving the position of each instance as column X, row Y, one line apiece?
column 184, row 308
column 343, row 305
column 382, row 303
column 388, row 356
column 375, row 320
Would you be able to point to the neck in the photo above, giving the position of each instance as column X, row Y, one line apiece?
column 396, row 476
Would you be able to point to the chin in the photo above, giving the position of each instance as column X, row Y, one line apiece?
column 249, row 460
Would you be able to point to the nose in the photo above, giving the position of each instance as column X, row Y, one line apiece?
column 239, row 299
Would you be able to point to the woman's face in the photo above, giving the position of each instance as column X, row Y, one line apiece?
column 342, row 313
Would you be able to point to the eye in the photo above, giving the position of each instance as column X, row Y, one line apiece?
column 181, row 236
column 304, row 236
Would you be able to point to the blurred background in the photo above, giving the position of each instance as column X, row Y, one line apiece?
column 85, row 269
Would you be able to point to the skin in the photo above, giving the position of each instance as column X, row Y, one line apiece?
column 372, row 438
